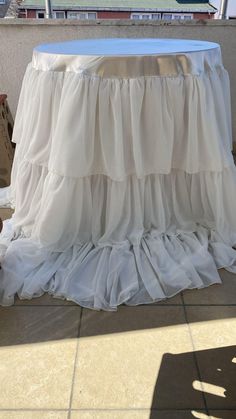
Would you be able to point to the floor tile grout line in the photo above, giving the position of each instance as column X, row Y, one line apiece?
column 189, row 409
column 25, row 409
column 159, row 305
column 139, row 305
column 142, row 409
column 209, row 305
column 75, row 362
column 111, row 409
column 182, row 298
column 195, row 358
column 45, row 305
column 80, row 322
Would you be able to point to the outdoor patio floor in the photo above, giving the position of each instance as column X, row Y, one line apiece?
column 171, row 360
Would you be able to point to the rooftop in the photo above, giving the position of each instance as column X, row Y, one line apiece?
column 165, row 5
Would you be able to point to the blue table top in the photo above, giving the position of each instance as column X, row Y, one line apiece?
column 122, row 47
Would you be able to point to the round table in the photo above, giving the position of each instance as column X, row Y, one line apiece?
column 123, row 180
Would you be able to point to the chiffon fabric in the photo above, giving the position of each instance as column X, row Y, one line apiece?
column 123, row 181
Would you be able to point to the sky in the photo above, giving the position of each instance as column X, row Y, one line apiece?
column 231, row 6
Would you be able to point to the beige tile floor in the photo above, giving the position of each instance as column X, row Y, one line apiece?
column 171, row 360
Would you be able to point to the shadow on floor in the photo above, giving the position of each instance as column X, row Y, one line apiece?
column 29, row 322
column 180, row 386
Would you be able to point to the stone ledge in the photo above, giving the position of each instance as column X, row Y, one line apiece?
column 115, row 22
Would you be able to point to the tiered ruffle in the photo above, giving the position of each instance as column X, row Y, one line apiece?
column 130, row 202
column 78, row 125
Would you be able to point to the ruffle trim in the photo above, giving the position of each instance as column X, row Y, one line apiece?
column 103, row 277
column 144, row 126
column 61, row 211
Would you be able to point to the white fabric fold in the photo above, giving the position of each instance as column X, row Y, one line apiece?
column 103, row 277
column 6, row 198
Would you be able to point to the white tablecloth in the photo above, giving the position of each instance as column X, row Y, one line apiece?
column 123, row 180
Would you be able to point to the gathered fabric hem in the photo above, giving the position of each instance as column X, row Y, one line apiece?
column 102, row 278
column 83, row 74
column 61, row 212
column 23, row 163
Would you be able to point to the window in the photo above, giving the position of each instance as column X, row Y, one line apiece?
column 59, row 15
column 182, row 16
column 40, row 15
column 2, row 1
column 167, row 16
column 177, row 16
column 56, row 15
column 72, row 15
column 156, row 16
column 82, row 15
column 145, row 16
column 92, row 16
column 188, row 17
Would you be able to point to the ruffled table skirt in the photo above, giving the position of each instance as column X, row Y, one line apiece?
column 124, row 188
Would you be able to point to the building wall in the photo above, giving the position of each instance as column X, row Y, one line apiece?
column 203, row 16
column 31, row 14
column 113, row 15
column 20, row 36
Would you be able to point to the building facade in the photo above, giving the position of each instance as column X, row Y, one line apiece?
column 120, row 9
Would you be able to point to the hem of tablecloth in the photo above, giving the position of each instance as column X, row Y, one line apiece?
column 104, row 277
